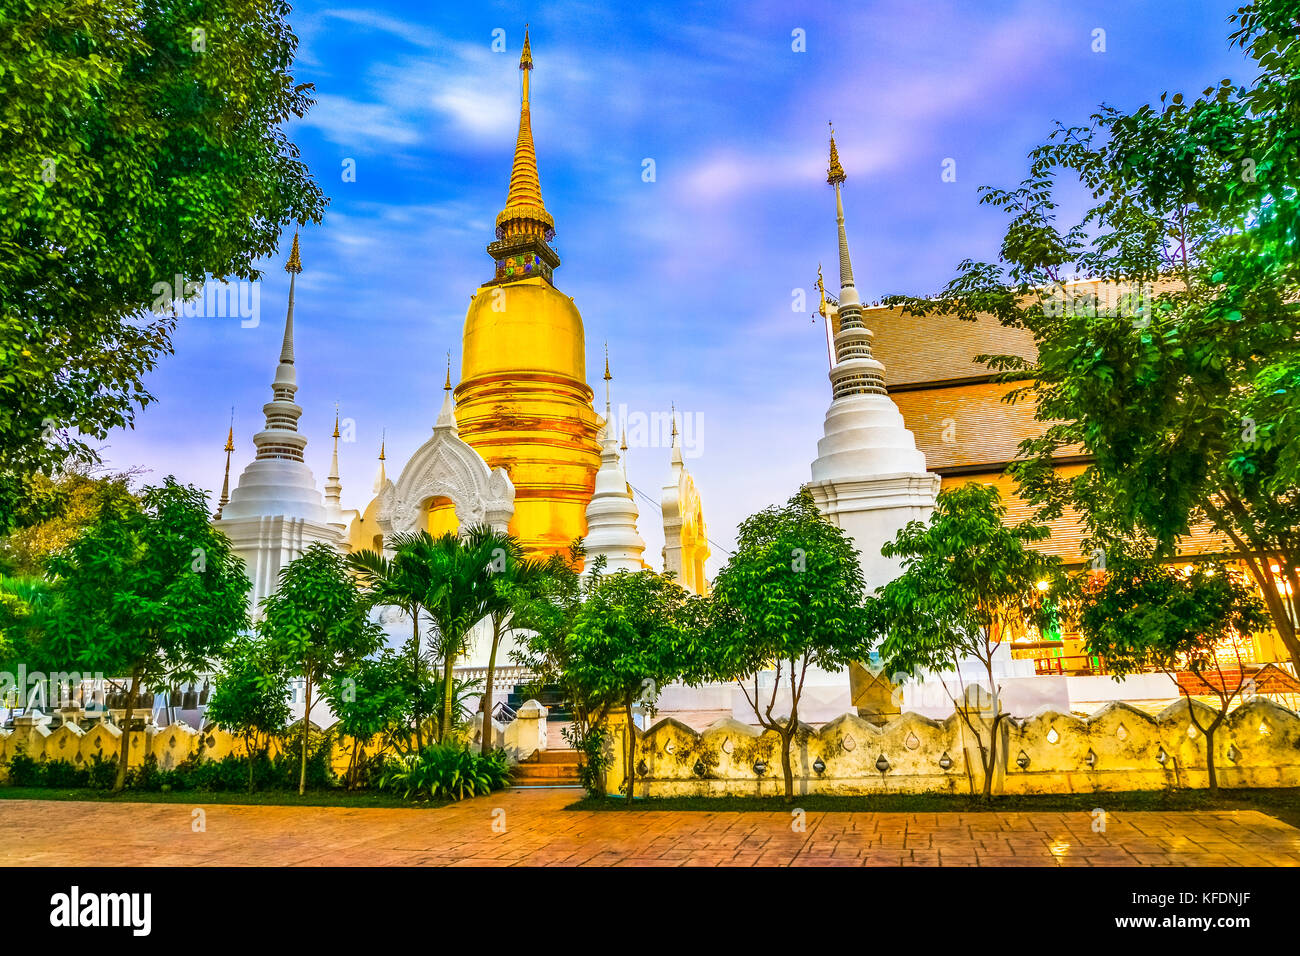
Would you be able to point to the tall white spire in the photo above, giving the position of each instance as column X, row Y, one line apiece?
column 612, row 513
column 381, row 477
column 869, row 477
column 278, row 481
column 447, row 414
column 280, row 438
column 276, row 511
column 333, row 485
column 856, row 371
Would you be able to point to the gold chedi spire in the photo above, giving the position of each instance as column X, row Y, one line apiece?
column 524, row 227
column 446, row 386
column 834, row 172
column 523, row 401
column 225, row 482
column 295, row 261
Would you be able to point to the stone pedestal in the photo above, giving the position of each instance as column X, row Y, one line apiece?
column 876, row 698
column 526, row 734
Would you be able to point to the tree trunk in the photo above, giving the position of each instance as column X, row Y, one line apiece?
column 787, row 769
column 124, row 754
column 302, row 773
column 631, row 752
column 487, row 688
column 444, row 729
column 990, row 760
column 1210, row 771
column 415, row 666
column 248, row 749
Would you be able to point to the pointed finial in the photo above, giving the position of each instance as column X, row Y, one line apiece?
column 623, row 444
column 607, row 375
column 835, row 172
column 383, row 435
column 674, row 414
column 526, row 58
column 446, row 386
column 295, row 261
column 225, row 481
column 336, row 419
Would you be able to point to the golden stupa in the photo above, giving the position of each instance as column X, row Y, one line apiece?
column 523, row 402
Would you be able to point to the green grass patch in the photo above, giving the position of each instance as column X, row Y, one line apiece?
column 1282, row 803
column 261, row 798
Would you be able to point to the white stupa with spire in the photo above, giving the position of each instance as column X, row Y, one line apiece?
column 869, row 477
column 686, row 536
column 276, row 511
column 612, row 514
column 334, row 486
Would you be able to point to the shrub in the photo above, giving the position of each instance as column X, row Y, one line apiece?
column 25, row 772
column 593, row 757
column 447, row 771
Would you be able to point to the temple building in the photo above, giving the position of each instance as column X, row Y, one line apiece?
column 276, row 512
column 516, row 445
column 869, row 477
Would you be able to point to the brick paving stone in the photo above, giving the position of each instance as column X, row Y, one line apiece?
column 541, row 832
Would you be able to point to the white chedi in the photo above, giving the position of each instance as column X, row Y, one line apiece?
column 612, row 513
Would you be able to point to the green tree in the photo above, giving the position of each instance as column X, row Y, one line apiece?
column 1141, row 615
column 45, row 513
column 369, row 698
column 627, row 642
column 250, row 697
column 545, row 618
column 460, row 595
column 515, row 580
column 150, row 592
column 403, row 581
column 1183, row 393
column 26, row 610
column 789, row 598
column 140, row 140
column 968, row 583
column 316, row 625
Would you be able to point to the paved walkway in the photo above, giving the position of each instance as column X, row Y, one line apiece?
column 538, row 831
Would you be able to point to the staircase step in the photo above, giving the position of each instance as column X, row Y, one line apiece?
column 550, row 773
column 556, row 756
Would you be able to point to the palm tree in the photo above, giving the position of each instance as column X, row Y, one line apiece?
column 513, row 577
column 402, row 581
column 461, row 595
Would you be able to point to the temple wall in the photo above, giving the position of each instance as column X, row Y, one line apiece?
column 1118, row 748
column 80, row 742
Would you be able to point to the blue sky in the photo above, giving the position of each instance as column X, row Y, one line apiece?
column 688, row 277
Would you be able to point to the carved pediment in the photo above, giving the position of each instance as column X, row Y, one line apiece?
column 447, row 467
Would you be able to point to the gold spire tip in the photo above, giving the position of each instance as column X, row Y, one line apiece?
column 446, row 386
column 336, row 419
column 607, row 375
column 526, row 58
column 294, row 264
column 834, row 172
column 382, row 438
column 230, row 440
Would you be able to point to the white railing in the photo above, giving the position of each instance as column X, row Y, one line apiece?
column 501, row 676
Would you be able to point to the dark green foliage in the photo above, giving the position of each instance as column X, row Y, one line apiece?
column 790, row 597
column 968, row 583
column 316, row 625
column 149, row 591
column 1184, row 397
column 98, row 774
column 1142, row 615
column 593, row 746
column 446, row 771
column 132, row 150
